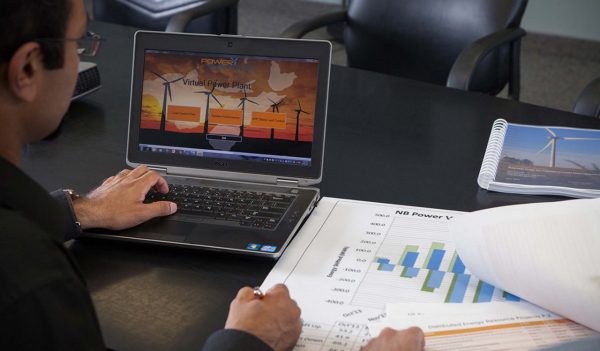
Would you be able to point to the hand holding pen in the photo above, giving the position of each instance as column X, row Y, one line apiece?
column 272, row 316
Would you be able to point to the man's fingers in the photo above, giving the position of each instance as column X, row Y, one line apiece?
column 388, row 332
column 415, row 331
column 161, row 185
column 300, row 323
column 245, row 294
column 140, row 214
column 123, row 173
column 297, row 311
column 139, row 171
column 154, row 180
column 159, row 209
column 108, row 180
column 278, row 289
column 417, row 335
column 117, row 176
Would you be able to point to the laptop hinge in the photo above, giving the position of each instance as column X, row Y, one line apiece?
column 287, row 182
column 160, row 170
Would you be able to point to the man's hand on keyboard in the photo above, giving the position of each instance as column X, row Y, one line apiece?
column 274, row 318
column 118, row 202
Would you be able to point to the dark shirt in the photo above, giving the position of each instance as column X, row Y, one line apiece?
column 44, row 301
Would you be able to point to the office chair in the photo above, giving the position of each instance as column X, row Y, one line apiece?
column 464, row 44
column 196, row 16
column 588, row 102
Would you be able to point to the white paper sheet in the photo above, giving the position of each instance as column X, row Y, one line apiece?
column 351, row 258
column 546, row 253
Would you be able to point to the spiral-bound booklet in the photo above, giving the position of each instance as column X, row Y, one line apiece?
column 542, row 160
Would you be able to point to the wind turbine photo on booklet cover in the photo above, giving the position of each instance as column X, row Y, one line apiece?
column 542, row 160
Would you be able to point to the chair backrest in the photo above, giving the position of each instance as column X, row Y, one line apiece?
column 588, row 101
column 222, row 21
column 421, row 39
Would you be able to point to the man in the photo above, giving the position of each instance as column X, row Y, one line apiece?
column 44, row 303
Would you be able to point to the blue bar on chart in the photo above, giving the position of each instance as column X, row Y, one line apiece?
column 386, row 267
column 459, row 266
column 436, row 259
column 410, row 272
column 435, row 279
column 458, row 287
column 510, row 297
column 410, row 259
column 428, row 264
column 484, row 292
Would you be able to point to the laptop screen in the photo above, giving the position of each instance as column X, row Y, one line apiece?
column 223, row 106
column 229, row 107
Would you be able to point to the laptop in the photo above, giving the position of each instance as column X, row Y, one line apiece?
column 236, row 125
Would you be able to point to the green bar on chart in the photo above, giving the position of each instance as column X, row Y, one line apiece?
column 425, row 286
column 452, row 262
column 484, row 292
column 477, row 291
column 451, row 289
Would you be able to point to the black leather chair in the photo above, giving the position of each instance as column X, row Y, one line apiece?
column 196, row 16
column 466, row 44
column 588, row 102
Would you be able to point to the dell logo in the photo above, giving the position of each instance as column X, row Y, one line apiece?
column 229, row 44
column 221, row 163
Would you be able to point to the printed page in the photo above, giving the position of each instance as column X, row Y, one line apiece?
column 488, row 327
column 545, row 253
column 351, row 258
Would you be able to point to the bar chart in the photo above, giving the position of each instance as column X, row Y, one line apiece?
column 415, row 263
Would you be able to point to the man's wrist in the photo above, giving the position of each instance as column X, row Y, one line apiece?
column 72, row 196
column 81, row 209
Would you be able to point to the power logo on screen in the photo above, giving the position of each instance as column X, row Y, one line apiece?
column 232, row 61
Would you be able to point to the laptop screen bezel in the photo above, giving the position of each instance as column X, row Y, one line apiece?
column 235, row 45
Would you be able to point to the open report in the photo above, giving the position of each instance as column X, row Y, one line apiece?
column 352, row 260
column 547, row 253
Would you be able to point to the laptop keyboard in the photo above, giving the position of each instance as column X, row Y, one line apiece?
column 245, row 208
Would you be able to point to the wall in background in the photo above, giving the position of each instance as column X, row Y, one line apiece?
column 568, row 18
column 572, row 18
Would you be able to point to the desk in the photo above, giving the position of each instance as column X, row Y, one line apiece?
column 388, row 140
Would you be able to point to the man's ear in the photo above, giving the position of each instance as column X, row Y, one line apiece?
column 24, row 71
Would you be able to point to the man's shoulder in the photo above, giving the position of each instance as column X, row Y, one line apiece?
column 29, row 258
column 42, row 300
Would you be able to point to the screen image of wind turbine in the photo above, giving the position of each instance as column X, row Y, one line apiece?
column 275, row 108
column 243, row 105
column 299, row 110
column 208, row 94
column 167, row 90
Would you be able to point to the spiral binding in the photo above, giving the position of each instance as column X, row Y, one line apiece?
column 489, row 166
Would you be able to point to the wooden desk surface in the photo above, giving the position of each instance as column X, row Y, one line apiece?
column 388, row 140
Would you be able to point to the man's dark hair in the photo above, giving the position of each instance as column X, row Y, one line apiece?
column 22, row 21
